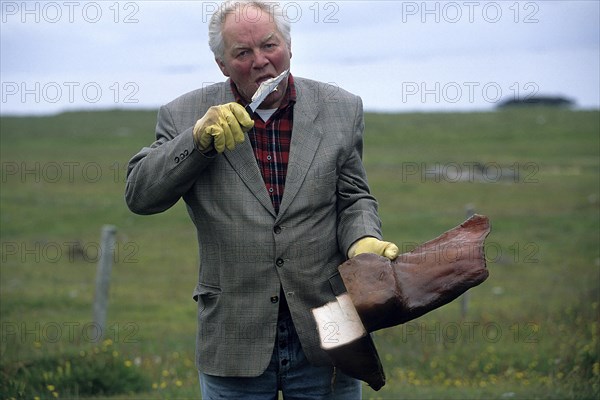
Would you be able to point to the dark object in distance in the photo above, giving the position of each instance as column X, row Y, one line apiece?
column 550, row 101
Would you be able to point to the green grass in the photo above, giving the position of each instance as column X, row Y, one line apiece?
column 531, row 330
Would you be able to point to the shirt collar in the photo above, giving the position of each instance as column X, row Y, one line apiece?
column 289, row 98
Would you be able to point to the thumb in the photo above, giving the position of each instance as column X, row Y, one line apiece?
column 391, row 251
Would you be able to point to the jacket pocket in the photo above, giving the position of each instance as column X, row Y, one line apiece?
column 206, row 296
column 206, row 291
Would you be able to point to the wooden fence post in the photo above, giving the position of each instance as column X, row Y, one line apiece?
column 107, row 248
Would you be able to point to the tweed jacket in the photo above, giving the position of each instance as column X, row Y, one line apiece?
column 248, row 252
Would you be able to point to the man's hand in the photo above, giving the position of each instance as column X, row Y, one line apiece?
column 372, row 245
column 223, row 127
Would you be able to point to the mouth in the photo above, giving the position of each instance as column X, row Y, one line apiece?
column 262, row 79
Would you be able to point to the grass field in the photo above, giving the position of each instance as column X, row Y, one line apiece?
column 530, row 331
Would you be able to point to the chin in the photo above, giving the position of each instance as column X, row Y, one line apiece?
column 273, row 100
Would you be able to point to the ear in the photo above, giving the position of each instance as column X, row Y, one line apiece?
column 222, row 67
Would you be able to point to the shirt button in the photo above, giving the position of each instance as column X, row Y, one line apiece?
column 270, row 190
column 269, row 157
column 274, row 299
column 279, row 262
column 277, row 229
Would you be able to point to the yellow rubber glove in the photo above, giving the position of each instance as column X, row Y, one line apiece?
column 222, row 127
column 372, row 245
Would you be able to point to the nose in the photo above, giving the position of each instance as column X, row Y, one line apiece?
column 260, row 60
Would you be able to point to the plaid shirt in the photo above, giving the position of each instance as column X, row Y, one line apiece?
column 271, row 142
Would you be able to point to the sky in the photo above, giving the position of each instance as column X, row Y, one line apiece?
column 399, row 56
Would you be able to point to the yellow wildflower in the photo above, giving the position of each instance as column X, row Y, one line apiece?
column 519, row 375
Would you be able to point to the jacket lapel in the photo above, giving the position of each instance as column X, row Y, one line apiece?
column 242, row 160
column 244, row 163
column 306, row 137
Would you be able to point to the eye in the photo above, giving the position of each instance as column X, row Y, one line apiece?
column 242, row 53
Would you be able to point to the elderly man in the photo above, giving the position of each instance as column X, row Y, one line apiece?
column 279, row 198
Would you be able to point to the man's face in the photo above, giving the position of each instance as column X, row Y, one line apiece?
column 254, row 52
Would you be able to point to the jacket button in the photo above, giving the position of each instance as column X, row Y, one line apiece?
column 274, row 299
column 279, row 262
column 277, row 229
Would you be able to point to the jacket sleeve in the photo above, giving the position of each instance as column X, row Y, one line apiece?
column 356, row 207
column 160, row 174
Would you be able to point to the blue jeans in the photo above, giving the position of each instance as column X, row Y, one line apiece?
column 288, row 371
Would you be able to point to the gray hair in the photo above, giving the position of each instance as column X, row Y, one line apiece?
column 215, row 26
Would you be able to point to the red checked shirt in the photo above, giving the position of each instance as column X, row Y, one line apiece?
column 271, row 142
